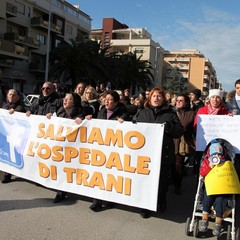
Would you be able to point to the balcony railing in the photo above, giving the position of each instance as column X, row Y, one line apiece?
column 11, row 10
column 40, row 23
column 7, row 62
column 29, row 41
column 12, row 50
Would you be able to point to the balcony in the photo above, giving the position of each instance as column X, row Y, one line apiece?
column 7, row 63
column 183, row 59
column 183, row 67
column 11, row 50
column 43, row 25
column 11, row 10
column 23, row 40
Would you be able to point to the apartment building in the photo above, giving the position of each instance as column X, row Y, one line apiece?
column 123, row 39
column 193, row 66
column 29, row 29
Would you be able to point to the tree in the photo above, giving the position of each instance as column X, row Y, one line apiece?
column 82, row 61
column 177, row 83
column 87, row 61
column 128, row 71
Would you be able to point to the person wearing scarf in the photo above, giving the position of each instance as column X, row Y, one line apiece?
column 214, row 106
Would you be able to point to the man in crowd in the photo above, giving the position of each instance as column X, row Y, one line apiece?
column 48, row 102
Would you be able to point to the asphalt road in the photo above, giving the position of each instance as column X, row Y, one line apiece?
column 28, row 213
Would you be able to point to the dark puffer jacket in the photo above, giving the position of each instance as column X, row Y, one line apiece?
column 120, row 111
column 173, row 128
column 47, row 104
column 231, row 103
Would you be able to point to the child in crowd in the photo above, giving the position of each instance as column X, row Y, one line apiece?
column 216, row 156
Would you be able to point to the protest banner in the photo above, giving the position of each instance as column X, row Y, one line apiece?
column 99, row 158
column 218, row 126
column 222, row 179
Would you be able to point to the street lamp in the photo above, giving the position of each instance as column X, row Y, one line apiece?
column 48, row 41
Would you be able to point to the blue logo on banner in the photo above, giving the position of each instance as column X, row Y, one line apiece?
column 13, row 138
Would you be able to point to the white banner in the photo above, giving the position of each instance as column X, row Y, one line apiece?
column 218, row 126
column 102, row 159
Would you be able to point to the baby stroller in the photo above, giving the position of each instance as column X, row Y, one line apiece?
column 192, row 223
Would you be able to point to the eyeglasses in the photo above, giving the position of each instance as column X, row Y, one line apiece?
column 179, row 100
column 45, row 88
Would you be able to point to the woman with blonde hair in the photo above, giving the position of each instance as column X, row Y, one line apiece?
column 90, row 98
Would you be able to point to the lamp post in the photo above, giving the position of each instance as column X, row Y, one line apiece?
column 156, row 63
column 48, row 41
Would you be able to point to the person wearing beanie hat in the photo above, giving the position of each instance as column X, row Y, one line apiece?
column 196, row 103
column 214, row 106
column 197, row 93
column 215, row 92
column 219, row 201
column 215, row 148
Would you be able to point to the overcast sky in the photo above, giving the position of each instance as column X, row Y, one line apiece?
column 212, row 27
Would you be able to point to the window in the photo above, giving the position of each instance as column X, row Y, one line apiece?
column 42, row 39
column 69, row 29
column 20, row 8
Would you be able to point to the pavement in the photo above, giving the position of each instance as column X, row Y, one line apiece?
column 28, row 213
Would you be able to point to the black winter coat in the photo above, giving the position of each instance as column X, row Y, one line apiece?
column 44, row 105
column 71, row 113
column 18, row 106
column 173, row 128
column 120, row 111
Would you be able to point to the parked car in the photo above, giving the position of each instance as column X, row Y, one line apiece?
column 32, row 97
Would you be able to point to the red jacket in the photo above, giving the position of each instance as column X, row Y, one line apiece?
column 204, row 110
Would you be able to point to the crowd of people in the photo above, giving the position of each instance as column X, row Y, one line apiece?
column 178, row 112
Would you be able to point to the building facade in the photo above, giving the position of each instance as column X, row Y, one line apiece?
column 29, row 29
column 122, row 39
column 193, row 66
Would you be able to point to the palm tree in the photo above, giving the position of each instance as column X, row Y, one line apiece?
column 82, row 61
column 129, row 71
column 87, row 61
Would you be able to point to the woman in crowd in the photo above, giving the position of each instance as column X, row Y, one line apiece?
column 214, row 106
column 90, row 98
column 112, row 110
column 13, row 103
column 184, row 146
column 158, row 111
column 71, row 109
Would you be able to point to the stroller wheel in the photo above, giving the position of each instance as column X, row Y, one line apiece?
column 196, row 229
column 187, row 226
column 229, row 232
